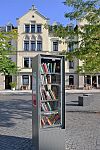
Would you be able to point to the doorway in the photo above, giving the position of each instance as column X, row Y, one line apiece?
column 94, row 81
column 8, row 79
column 71, row 80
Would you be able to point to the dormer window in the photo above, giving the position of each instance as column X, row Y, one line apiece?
column 70, row 27
column 9, row 28
column 55, row 45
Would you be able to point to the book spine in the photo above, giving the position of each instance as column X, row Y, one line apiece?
column 46, row 109
column 45, row 68
column 49, row 106
column 48, row 96
column 48, row 67
column 42, row 122
column 52, row 95
column 43, row 108
column 48, row 120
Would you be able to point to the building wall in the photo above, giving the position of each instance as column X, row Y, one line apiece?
column 2, row 82
column 47, row 41
column 34, row 17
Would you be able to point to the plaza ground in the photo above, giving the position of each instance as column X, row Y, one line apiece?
column 82, row 122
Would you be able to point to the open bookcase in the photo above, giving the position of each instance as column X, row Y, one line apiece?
column 48, row 100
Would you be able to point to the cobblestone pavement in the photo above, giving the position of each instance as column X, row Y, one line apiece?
column 82, row 126
column 72, row 103
column 82, row 131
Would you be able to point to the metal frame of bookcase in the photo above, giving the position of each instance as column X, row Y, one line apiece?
column 49, row 137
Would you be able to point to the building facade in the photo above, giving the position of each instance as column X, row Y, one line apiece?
column 34, row 38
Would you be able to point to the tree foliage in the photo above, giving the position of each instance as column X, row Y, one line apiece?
column 86, row 35
column 7, row 66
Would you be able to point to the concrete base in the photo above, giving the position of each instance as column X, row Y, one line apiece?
column 83, row 101
column 50, row 139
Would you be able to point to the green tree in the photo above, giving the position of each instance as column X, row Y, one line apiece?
column 86, row 37
column 7, row 66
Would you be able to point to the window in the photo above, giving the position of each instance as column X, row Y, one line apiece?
column 25, row 79
column 9, row 28
column 71, row 80
column 71, row 65
column 27, row 28
column 39, row 28
column 70, row 28
column 55, row 46
column 26, row 62
column 31, row 62
column 33, row 45
column 26, row 45
column 33, row 28
column 88, row 79
column 99, row 79
column 39, row 45
column 70, row 46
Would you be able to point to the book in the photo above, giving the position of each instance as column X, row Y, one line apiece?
column 42, row 122
column 52, row 94
column 49, row 106
column 48, row 95
column 45, row 68
column 49, row 68
column 45, row 107
column 54, row 67
column 41, row 69
column 48, row 120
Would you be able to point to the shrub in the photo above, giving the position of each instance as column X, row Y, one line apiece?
column 12, row 84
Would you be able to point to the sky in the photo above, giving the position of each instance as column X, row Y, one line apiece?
column 12, row 9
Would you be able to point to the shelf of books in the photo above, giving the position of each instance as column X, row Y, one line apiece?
column 48, row 94
column 50, row 71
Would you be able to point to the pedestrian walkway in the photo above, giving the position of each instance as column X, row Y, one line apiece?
column 66, row 91
column 83, row 91
column 72, row 103
column 82, row 122
column 15, row 92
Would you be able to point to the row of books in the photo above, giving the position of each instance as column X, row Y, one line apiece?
column 46, row 106
column 52, row 120
column 47, row 94
column 51, row 106
column 50, row 79
column 50, row 68
column 45, row 79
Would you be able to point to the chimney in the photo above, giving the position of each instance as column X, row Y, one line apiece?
column 33, row 7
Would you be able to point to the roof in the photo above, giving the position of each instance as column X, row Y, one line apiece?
column 34, row 10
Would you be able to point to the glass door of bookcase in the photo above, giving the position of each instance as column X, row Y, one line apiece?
column 50, row 92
